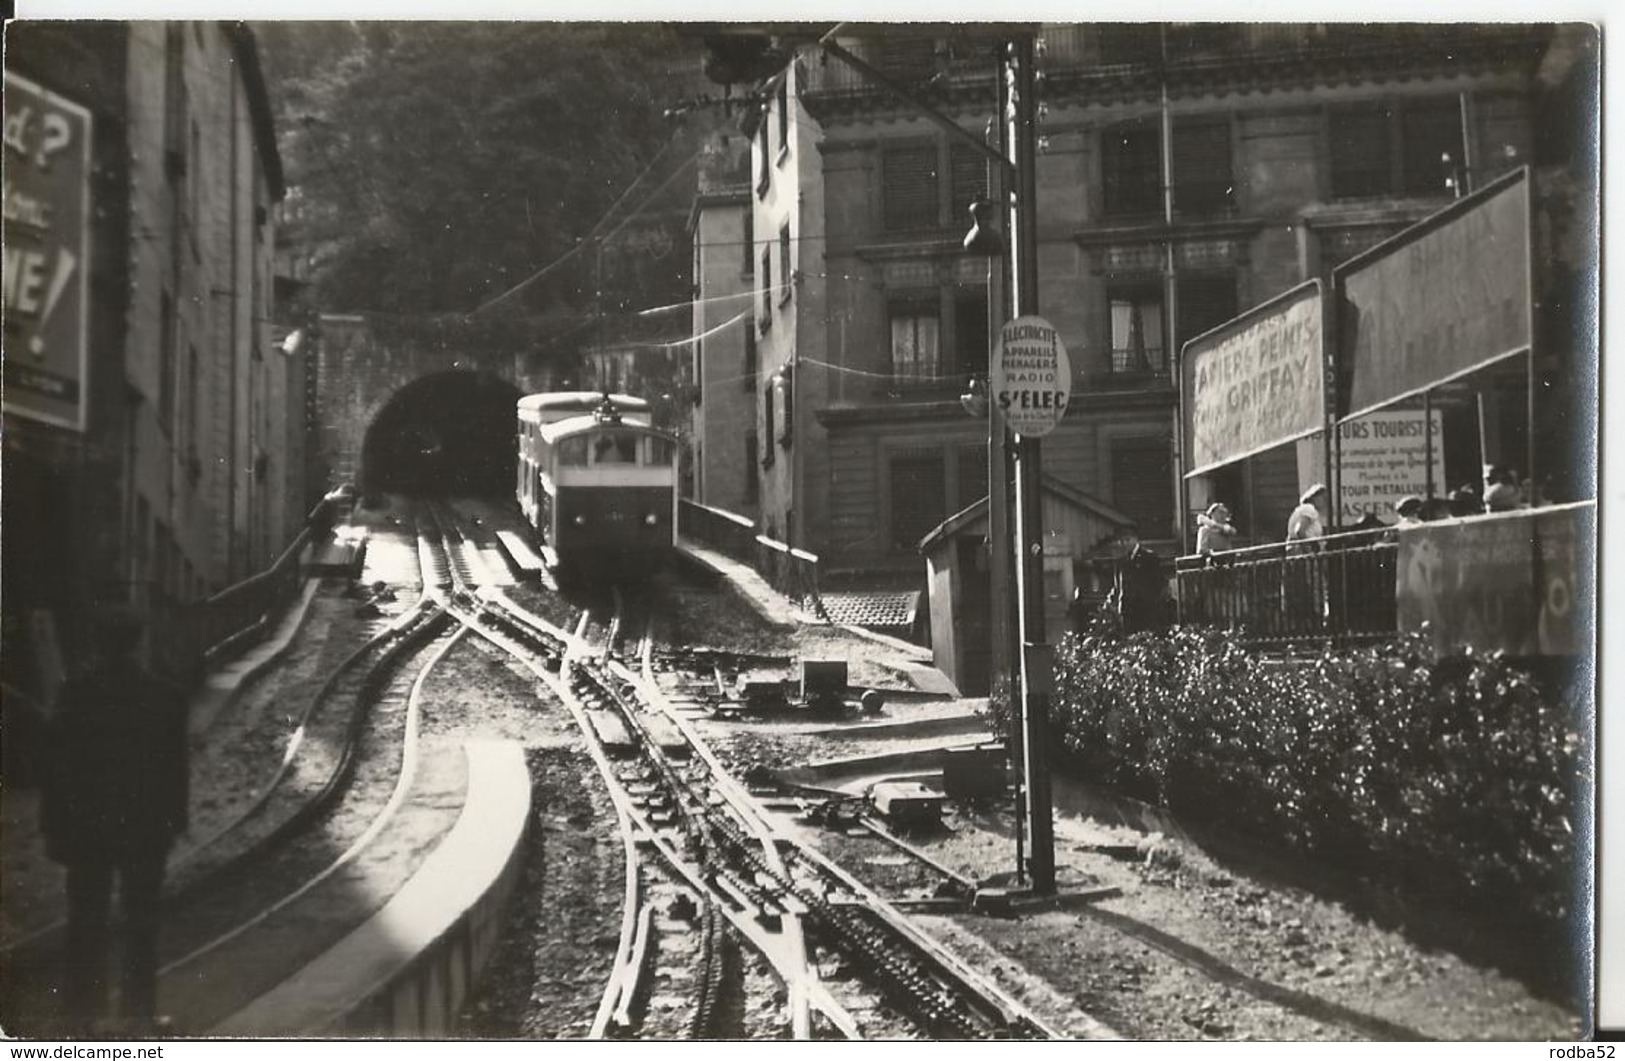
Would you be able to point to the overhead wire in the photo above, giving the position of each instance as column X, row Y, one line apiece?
column 593, row 234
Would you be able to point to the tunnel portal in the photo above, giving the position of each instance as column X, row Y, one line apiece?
column 447, row 434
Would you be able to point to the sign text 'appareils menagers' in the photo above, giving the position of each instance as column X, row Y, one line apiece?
column 1032, row 376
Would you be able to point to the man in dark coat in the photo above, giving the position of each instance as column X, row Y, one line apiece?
column 115, row 798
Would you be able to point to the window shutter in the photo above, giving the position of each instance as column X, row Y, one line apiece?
column 909, row 188
column 908, row 58
column 1202, row 168
column 918, row 501
column 968, row 178
column 765, row 317
column 1206, row 300
column 1142, row 483
column 970, row 333
column 767, row 415
column 1429, row 131
column 972, row 476
column 1360, row 154
column 1133, row 169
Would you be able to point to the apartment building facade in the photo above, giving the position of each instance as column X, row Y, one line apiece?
column 1290, row 149
column 180, row 468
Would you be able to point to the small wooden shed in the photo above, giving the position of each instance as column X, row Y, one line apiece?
column 957, row 579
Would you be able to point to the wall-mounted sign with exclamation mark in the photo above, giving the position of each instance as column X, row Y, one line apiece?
column 47, row 235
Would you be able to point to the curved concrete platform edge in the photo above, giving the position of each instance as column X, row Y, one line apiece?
column 408, row 970
column 225, row 682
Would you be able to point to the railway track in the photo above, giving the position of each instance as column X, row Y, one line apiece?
column 701, row 853
column 274, row 886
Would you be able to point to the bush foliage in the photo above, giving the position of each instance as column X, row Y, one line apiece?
column 1458, row 780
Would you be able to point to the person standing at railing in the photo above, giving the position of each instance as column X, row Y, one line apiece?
column 1306, row 522
column 1501, row 493
column 1305, row 592
column 1214, row 534
column 1214, row 531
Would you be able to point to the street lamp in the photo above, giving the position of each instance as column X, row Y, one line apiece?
column 983, row 238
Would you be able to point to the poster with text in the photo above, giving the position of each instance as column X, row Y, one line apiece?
column 47, row 236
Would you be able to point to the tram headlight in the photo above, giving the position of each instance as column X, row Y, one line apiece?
column 580, row 521
column 651, row 519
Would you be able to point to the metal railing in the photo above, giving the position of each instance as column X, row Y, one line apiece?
column 793, row 573
column 732, row 535
column 1338, row 588
column 187, row 639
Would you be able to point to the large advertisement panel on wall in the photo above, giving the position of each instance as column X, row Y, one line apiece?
column 1523, row 582
column 1256, row 382
column 47, row 240
column 1445, row 297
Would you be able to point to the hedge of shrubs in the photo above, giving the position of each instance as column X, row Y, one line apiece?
column 1458, row 779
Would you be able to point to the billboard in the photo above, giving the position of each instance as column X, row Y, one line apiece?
column 47, row 247
column 1445, row 297
column 1522, row 582
column 1381, row 458
column 1256, row 382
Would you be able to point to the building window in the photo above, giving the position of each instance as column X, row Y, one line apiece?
column 782, row 102
column 785, row 385
column 750, row 356
column 908, row 177
column 1136, row 322
column 747, row 252
column 918, row 497
column 1132, row 160
column 914, row 339
column 785, row 272
column 1383, row 148
column 767, row 418
column 753, row 477
column 1142, row 483
column 1204, row 174
column 765, row 317
column 765, row 170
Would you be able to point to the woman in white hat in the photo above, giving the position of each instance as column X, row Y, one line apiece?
column 1305, row 522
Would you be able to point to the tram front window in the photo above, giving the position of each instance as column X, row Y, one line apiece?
column 661, row 452
column 616, row 449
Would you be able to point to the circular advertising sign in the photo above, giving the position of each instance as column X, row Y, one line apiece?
column 1032, row 376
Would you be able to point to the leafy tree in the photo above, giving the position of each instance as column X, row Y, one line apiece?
column 432, row 166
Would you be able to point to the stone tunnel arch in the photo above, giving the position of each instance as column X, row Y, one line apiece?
column 447, row 433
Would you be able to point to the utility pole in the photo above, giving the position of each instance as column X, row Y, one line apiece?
column 1015, row 523
column 1032, row 672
